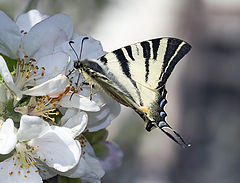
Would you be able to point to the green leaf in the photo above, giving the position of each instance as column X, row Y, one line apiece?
column 100, row 150
column 6, row 156
column 11, row 63
column 95, row 137
column 62, row 179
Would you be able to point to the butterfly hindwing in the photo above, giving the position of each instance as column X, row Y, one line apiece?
column 136, row 75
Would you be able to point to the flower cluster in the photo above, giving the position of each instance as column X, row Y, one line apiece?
column 48, row 124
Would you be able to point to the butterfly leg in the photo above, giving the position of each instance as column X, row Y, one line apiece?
column 91, row 92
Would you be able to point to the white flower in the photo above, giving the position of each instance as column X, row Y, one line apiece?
column 51, row 86
column 40, row 147
column 34, row 40
column 38, row 150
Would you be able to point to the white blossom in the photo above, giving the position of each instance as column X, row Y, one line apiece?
column 40, row 147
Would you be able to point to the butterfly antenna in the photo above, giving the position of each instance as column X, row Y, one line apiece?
column 80, row 54
column 76, row 61
column 70, row 44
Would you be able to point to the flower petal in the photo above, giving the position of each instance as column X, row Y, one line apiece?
column 47, row 34
column 14, row 173
column 31, row 127
column 103, row 118
column 27, row 20
column 8, row 138
column 77, row 123
column 50, row 87
column 88, row 169
column 59, row 66
column 59, row 149
column 78, row 102
column 114, row 157
column 92, row 49
column 7, row 77
column 10, row 36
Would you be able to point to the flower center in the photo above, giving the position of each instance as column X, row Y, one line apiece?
column 24, row 160
column 27, row 72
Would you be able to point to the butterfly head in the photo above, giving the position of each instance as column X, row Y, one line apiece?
column 77, row 64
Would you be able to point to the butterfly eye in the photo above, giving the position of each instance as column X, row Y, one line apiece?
column 76, row 65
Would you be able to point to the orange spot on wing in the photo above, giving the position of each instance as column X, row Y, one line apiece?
column 143, row 109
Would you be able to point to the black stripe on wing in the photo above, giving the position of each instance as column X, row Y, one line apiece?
column 146, row 54
column 155, row 46
column 129, row 51
column 124, row 63
column 172, row 48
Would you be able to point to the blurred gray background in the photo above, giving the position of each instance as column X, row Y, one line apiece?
column 203, row 91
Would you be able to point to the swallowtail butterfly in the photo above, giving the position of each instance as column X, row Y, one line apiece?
column 136, row 77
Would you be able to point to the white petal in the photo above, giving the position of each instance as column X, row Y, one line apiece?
column 8, row 138
column 77, row 123
column 52, row 86
column 54, row 65
column 92, row 49
column 61, row 151
column 103, row 118
column 31, row 127
column 46, row 35
column 78, row 102
column 46, row 172
column 7, row 77
column 27, row 20
column 10, row 36
column 7, row 167
column 88, row 169
column 68, row 114
column 53, row 69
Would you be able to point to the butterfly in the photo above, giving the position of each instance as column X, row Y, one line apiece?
column 136, row 76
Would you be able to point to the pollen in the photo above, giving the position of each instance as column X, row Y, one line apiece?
column 10, row 173
column 27, row 70
column 25, row 176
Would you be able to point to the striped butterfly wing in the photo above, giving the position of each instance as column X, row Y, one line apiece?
column 136, row 75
